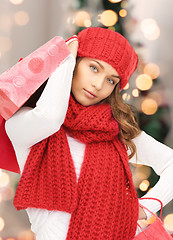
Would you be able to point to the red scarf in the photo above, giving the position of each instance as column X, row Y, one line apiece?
column 103, row 203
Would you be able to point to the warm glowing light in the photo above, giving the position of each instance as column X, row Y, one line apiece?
column 4, row 179
column 82, row 18
column 2, row 224
column 126, row 97
column 0, row 197
column 21, row 18
column 115, row 1
column 124, row 4
column 10, row 238
column 152, row 70
column 144, row 185
column 0, row 172
column 142, row 173
column 87, row 23
column 123, row 13
column 7, row 193
column 135, row 92
column 149, row 106
column 5, row 44
column 126, row 87
column 144, row 82
column 27, row 235
column 156, row 96
column 151, row 219
column 150, row 29
column 108, row 18
column 16, row 2
column 168, row 222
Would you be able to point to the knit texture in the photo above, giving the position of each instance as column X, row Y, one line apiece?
column 103, row 203
column 111, row 47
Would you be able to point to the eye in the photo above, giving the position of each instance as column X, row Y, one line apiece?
column 94, row 69
column 111, row 81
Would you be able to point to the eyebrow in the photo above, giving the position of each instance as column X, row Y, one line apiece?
column 115, row 76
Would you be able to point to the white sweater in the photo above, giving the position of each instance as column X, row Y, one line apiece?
column 29, row 126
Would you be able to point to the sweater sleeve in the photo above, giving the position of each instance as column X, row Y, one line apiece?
column 160, row 157
column 28, row 126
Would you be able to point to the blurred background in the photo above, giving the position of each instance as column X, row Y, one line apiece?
column 25, row 25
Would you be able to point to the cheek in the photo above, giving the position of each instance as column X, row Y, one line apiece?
column 107, row 91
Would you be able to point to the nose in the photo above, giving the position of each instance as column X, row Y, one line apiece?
column 97, row 83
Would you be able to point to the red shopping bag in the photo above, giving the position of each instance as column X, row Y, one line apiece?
column 156, row 230
column 8, row 159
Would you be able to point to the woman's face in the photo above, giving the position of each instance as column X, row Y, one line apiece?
column 93, row 81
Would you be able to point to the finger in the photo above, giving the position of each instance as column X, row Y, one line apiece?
column 73, row 46
column 71, row 39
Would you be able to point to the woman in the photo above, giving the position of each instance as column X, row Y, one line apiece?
column 72, row 148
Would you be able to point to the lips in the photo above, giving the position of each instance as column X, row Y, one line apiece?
column 89, row 94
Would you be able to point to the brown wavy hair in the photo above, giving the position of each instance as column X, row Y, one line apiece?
column 125, row 115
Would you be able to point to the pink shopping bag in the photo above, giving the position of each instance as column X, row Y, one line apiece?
column 20, row 83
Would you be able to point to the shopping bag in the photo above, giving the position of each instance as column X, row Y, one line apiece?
column 8, row 159
column 156, row 230
column 19, row 82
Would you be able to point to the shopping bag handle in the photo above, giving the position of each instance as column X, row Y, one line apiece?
column 148, row 209
column 71, row 39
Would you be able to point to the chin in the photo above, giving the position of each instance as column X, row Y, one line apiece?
column 83, row 100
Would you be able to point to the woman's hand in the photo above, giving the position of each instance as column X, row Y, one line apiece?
column 73, row 46
column 142, row 214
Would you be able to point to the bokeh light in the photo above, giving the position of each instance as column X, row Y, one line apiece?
column 152, row 219
column 152, row 70
column 168, row 222
column 144, row 185
column 115, row 1
column 150, row 29
column 126, row 87
column 21, row 18
column 123, row 13
column 144, row 82
column 7, row 193
column 2, row 224
column 5, row 44
column 124, row 4
column 108, row 18
column 149, row 106
column 156, row 96
column 16, row 2
column 135, row 92
column 141, row 173
column 82, row 18
column 4, row 179
column 87, row 23
column 26, row 235
column 126, row 96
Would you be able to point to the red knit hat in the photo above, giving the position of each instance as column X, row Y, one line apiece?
column 111, row 47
